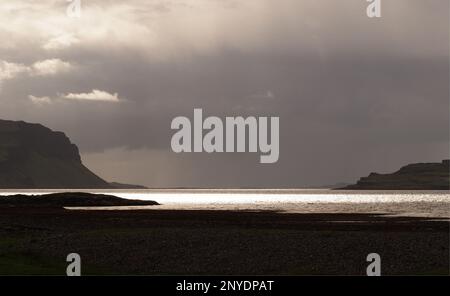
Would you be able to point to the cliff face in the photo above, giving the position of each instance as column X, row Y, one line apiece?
column 419, row 176
column 33, row 156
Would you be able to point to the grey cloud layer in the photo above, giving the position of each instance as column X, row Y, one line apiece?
column 353, row 94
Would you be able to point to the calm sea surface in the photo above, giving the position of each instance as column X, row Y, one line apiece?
column 405, row 203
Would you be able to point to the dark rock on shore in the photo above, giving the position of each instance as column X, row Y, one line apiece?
column 70, row 199
column 418, row 176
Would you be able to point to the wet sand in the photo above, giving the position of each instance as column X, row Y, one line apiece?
column 37, row 241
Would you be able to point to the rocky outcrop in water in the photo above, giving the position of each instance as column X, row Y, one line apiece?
column 70, row 199
column 418, row 176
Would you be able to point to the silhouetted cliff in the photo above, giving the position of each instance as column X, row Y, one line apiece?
column 418, row 176
column 33, row 156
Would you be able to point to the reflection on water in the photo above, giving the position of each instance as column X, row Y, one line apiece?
column 417, row 203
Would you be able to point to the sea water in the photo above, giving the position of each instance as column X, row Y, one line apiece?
column 403, row 203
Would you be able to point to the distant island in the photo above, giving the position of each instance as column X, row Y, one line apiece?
column 418, row 176
column 34, row 157
column 116, row 185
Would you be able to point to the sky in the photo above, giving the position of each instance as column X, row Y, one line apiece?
column 354, row 94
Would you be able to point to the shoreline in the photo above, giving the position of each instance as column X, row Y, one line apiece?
column 227, row 190
column 220, row 242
